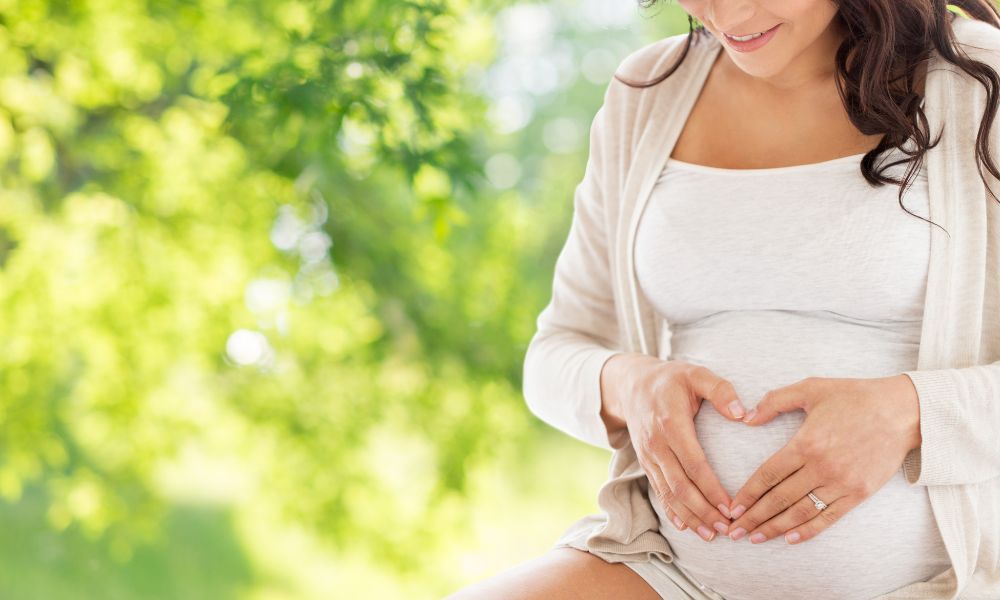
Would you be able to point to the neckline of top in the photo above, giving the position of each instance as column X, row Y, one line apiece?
column 853, row 159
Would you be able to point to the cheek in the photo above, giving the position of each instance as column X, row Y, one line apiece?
column 695, row 8
column 811, row 16
column 797, row 9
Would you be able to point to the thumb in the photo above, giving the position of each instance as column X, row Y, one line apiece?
column 718, row 391
column 773, row 403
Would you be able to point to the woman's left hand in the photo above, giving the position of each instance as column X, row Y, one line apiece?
column 854, row 438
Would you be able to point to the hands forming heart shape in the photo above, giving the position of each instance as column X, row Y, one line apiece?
column 853, row 440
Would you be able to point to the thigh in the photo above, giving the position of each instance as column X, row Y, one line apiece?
column 562, row 573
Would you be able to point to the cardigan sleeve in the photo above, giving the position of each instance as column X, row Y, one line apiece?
column 959, row 426
column 960, row 407
column 577, row 332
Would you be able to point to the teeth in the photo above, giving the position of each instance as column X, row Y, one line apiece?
column 745, row 38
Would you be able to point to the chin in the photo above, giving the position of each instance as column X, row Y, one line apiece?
column 752, row 68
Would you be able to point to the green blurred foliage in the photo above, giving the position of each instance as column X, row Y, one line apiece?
column 249, row 257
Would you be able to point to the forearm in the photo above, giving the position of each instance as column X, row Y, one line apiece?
column 562, row 383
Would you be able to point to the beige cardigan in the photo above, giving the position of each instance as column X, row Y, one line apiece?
column 597, row 310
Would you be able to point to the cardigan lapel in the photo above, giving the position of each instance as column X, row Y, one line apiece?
column 950, row 325
column 932, row 352
column 664, row 115
column 951, row 334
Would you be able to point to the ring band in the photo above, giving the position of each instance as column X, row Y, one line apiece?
column 819, row 503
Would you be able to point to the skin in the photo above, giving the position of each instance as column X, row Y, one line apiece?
column 857, row 431
column 781, row 101
column 797, row 61
column 854, row 438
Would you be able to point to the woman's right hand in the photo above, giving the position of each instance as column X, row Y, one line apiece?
column 658, row 401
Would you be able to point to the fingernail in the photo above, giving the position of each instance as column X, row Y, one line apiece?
column 678, row 523
column 736, row 409
column 738, row 511
column 724, row 510
column 792, row 537
column 706, row 533
column 757, row 538
column 721, row 527
column 750, row 415
column 737, row 533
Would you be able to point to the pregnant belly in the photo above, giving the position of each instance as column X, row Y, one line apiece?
column 887, row 542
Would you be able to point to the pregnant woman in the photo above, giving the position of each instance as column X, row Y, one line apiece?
column 779, row 307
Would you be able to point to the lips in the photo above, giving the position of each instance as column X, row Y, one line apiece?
column 746, row 34
column 754, row 43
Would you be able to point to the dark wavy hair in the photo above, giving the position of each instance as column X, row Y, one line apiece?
column 890, row 38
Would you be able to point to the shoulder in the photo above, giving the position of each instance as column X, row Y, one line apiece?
column 625, row 112
column 651, row 60
column 979, row 39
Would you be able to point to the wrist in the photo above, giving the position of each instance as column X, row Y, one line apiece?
column 611, row 408
column 908, row 408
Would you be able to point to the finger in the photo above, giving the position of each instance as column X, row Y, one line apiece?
column 665, row 496
column 805, row 510
column 826, row 517
column 685, row 515
column 718, row 391
column 773, row 504
column 673, row 518
column 660, row 490
column 775, row 469
column 687, row 500
column 691, row 456
column 800, row 512
column 782, row 400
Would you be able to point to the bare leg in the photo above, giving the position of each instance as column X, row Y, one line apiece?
column 561, row 574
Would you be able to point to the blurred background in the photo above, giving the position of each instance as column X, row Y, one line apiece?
column 268, row 271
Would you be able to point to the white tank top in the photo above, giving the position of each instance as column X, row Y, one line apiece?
column 768, row 276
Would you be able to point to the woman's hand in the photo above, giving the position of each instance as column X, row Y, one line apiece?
column 854, row 438
column 659, row 401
